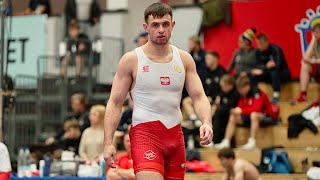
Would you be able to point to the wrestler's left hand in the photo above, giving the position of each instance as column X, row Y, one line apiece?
column 206, row 134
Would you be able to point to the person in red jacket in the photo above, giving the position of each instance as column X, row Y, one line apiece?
column 254, row 108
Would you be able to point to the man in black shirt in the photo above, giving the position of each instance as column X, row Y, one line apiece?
column 213, row 73
column 227, row 99
column 271, row 65
column 79, row 112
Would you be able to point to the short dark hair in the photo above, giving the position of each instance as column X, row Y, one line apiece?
column 242, row 81
column 262, row 36
column 226, row 153
column 214, row 53
column 157, row 10
column 228, row 79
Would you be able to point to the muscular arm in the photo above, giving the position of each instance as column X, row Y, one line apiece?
column 120, row 88
column 195, row 89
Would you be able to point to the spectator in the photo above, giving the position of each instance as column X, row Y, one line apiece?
column 91, row 144
column 86, row 12
column 141, row 39
column 227, row 99
column 271, row 65
column 254, row 108
column 79, row 112
column 124, row 171
column 244, row 58
column 310, row 65
column 213, row 73
column 237, row 168
column 74, row 50
column 5, row 164
column 72, row 136
column 37, row 7
column 126, row 118
column 198, row 55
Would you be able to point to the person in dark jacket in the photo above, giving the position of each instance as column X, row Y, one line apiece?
column 72, row 137
column 85, row 12
column 79, row 112
column 213, row 73
column 36, row 7
column 227, row 99
column 271, row 65
column 254, row 108
column 244, row 58
column 76, row 51
column 198, row 54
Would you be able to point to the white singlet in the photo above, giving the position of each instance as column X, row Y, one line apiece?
column 157, row 92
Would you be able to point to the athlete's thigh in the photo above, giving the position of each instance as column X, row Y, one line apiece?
column 145, row 152
column 175, row 162
column 148, row 175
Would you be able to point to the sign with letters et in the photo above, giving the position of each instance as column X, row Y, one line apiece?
column 24, row 43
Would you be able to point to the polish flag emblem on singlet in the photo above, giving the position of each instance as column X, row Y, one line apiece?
column 165, row 81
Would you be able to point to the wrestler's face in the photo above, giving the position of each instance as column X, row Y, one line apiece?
column 159, row 29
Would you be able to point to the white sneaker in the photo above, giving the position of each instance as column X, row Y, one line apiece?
column 225, row 143
column 251, row 144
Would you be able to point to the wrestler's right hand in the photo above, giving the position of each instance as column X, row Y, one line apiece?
column 110, row 155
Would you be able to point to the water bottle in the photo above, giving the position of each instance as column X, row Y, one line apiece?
column 21, row 163
column 47, row 165
column 27, row 155
column 102, row 164
column 42, row 168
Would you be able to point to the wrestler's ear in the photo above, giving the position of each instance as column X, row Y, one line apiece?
column 173, row 23
column 145, row 26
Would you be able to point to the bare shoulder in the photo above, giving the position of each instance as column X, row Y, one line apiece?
column 128, row 61
column 186, row 58
column 239, row 164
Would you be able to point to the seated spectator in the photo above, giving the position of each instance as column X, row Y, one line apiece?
column 141, row 39
column 227, row 99
column 245, row 57
column 198, row 55
column 91, row 144
column 74, row 50
column 271, row 65
column 79, row 112
column 5, row 164
column 310, row 65
column 213, row 73
column 86, row 12
column 36, row 7
column 237, row 168
column 254, row 108
column 72, row 136
column 124, row 168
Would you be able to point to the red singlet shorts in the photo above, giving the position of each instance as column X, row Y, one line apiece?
column 158, row 149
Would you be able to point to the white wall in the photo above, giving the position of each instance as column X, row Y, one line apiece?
column 188, row 20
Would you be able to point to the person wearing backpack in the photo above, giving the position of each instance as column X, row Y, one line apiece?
column 237, row 168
